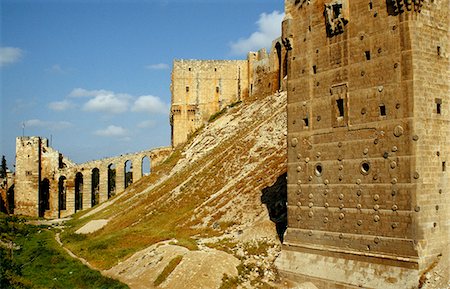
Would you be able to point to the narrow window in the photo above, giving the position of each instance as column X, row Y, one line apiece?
column 187, row 88
column 215, row 69
column 438, row 102
column 370, row 5
column 306, row 122
column 314, row 69
column 340, row 106
column 367, row 53
column 217, row 89
column 444, row 167
column 382, row 110
column 439, row 50
column 189, row 69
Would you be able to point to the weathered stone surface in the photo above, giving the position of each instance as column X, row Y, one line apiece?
column 368, row 109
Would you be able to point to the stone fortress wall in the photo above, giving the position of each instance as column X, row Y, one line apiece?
column 201, row 88
column 49, row 185
column 369, row 141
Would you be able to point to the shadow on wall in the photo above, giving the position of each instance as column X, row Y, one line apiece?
column 275, row 198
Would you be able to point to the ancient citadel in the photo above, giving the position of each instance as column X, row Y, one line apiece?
column 368, row 139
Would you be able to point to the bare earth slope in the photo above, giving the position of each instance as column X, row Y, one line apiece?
column 197, row 221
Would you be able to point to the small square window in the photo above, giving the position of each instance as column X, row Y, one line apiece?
column 306, row 122
column 382, row 110
column 340, row 106
column 438, row 102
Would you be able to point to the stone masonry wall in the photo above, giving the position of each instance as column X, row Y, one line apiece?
column 201, row 88
column 368, row 128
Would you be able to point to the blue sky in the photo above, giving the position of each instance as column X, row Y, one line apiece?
column 94, row 76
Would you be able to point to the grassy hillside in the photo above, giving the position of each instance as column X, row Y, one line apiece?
column 211, row 187
column 30, row 257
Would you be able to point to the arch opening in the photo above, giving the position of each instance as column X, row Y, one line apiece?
column 111, row 180
column 78, row 192
column 95, row 187
column 128, row 173
column 62, row 193
column 146, row 166
column 280, row 72
column 44, row 197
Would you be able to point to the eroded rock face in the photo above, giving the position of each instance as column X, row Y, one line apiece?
column 197, row 269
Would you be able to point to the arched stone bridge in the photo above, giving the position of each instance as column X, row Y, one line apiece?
column 49, row 185
column 88, row 184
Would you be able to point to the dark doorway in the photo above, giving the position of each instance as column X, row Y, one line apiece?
column 78, row 192
column 95, row 187
column 111, row 180
column 275, row 198
column 62, row 194
column 44, row 197
column 278, row 48
column 10, row 200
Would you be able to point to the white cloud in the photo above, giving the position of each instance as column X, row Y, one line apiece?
column 146, row 124
column 269, row 28
column 61, row 105
column 111, row 131
column 151, row 104
column 158, row 66
column 109, row 103
column 103, row 100
column 81, row 92
column 10, row 55
column 52, row 125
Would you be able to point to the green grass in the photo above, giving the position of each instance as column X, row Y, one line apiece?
column 41, row 262
column 186, row 242
column 167, row 270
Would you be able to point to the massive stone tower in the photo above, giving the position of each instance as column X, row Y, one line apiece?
column 369, row 141
column 201, row 88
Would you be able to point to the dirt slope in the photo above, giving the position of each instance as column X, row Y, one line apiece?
column 203, row 204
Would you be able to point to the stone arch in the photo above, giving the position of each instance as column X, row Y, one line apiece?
column 128, row 173
column 44, row 197
column 111, row 180
column 279, row 58
column 78, row 191
column 146, row 166
column 62, row 194
column 95, row 186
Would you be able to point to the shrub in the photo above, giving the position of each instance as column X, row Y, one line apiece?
column 167, row 270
